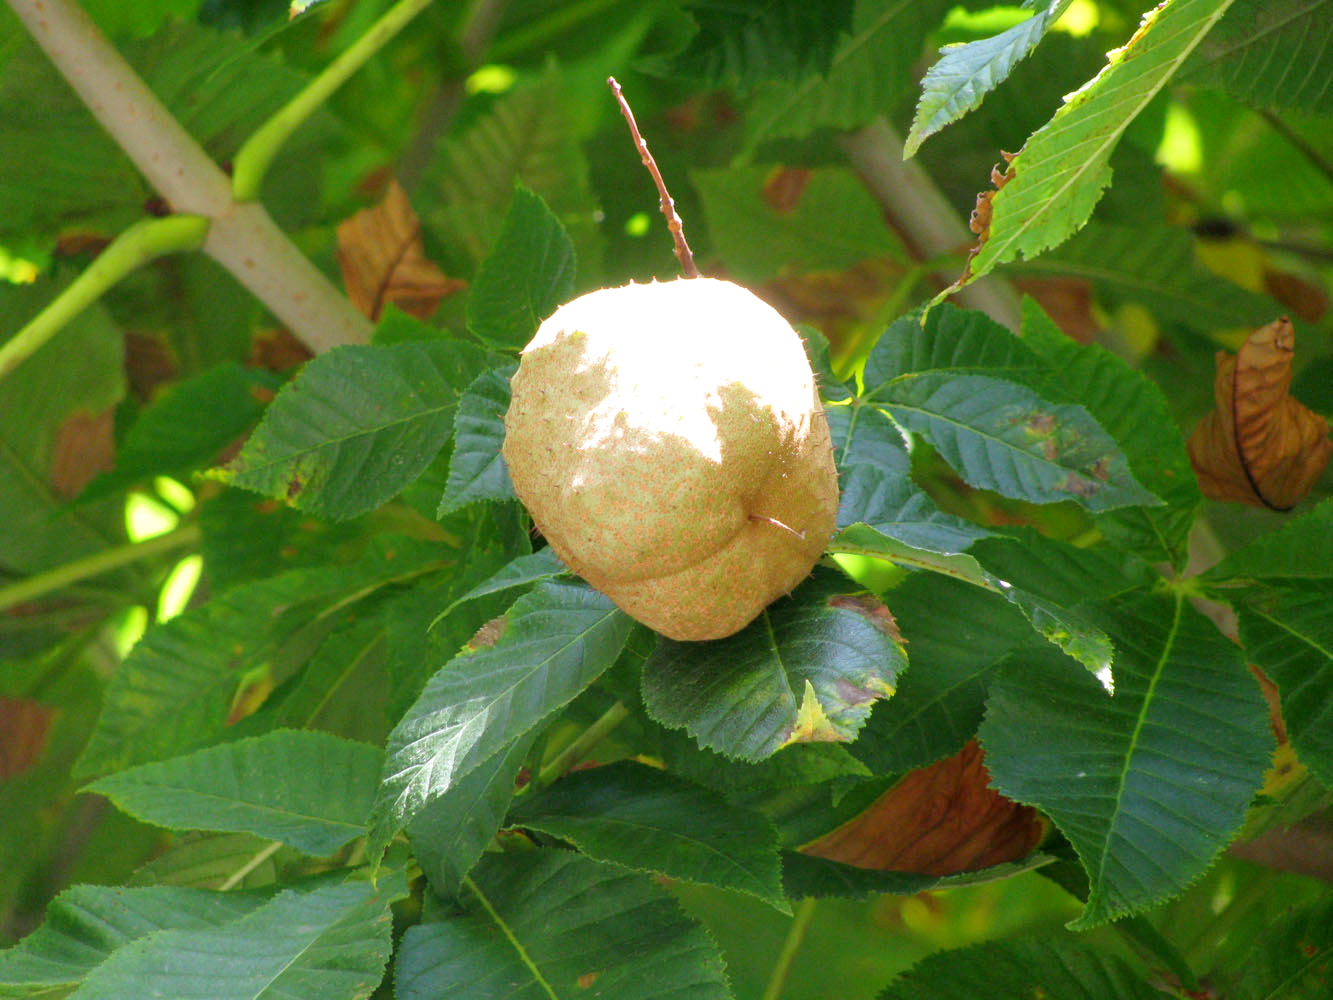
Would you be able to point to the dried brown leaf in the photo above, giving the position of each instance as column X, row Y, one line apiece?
column 938, row 820
column 84, row 446
column 384, row 261
column 1259, row 446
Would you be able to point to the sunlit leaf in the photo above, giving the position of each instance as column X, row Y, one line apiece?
column 555, row 642
column 1259, row 446
column 529, row 272
column 964, row 74
column 476, row 468
column 357, row 425
column 450, row 833
column 551, row 923
column 808, row 669
column 1051, row 186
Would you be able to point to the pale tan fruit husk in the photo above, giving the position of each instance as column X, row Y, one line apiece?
column 668, row 441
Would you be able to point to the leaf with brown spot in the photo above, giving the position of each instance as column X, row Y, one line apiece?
column 84, row 446
column 938, row 820
column 783, row 188
column 383, row 260
column 24, row 727
column 1259, row 446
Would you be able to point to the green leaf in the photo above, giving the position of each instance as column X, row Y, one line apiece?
column 1291, row 958
column 449, row 835
column 1270, row 53
column 877, row 488
column 356, row 426
column 957, row 634
column 307, row 789
column 174, row 692
column 871, row 70
column 1134, row 412
column 1156, row 267
column 342, row 690
column 831, row 388
column 187, row 426
column 524, row 137
column 1022, row 968
column 529, row 272
column 805, row 875
column 332, row 942
column 833, row 223
column 78, row 374
column 1296, row 551
column 742, row 42
column 87, row 924
column 642, row 818
column 1063, row 168
column 477, row 468
column 1002, row 436
column 556, row 641
column 808, row 668
column 949, row 340
column 1150, row 783
column 541, row 565
column 212, row 861
column 72, row 175
column 1288, row 633
column 966, row 73
column 547, row 924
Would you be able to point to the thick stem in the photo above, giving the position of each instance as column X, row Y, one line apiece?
column 270, row 266
column 923, row 214
column 249, row 244
column 252, row 161
column 163, row 151
column 144, row 241
column 667, row 203
column 94, row 565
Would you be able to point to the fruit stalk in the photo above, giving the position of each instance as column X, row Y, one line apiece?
column 668, row 204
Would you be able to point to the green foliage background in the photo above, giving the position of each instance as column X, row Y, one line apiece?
column 297, row 775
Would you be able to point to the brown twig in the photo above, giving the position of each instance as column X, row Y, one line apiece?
column 673, row 222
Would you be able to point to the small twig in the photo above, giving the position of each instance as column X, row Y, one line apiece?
column 790, row 946
column 33, row 587
column 1312, row 155
column 584, row 743
column 673, row 222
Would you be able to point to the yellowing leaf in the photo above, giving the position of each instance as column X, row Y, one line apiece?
column 1259, row 446
column 938, row 820
column 383, row 260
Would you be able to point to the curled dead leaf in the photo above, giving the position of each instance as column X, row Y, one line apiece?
column 1259, row 446
column 938, row 820
column 384, row 261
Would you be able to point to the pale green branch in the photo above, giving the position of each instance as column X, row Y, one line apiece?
column 144, row 241
column 253, row 159
column 95, row 565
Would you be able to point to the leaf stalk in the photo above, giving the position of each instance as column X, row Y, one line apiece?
column 583, row 744
column 145, row 241
column 96, row 564
column 256, row 155
column 805, row 912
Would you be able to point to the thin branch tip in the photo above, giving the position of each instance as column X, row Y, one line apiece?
column 666, row 202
